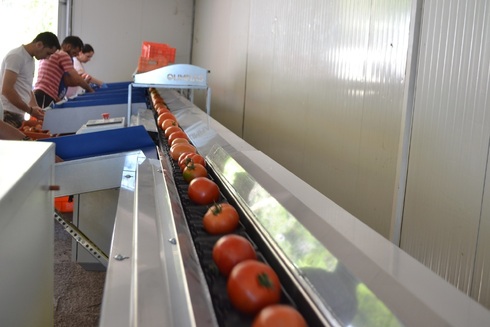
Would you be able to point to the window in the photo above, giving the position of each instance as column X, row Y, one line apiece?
column 22, row 20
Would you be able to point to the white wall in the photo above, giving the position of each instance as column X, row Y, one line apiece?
column 316, row 85
column 117, row 28
column 446, row 221
column 220, row 44
column 321, row 86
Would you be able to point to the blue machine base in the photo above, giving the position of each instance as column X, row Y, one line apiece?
column 126, row 139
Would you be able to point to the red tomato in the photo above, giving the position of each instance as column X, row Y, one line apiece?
column 182, row 156
column 177, row 135
column 197, row 158
column 253, row 285
column 155, row 95
column 279, row 315
column 179, row 140
column 161, row 109
column 230, row 250
column 33, row 121
column 191, row 157
column 194, row 170
column 159, row 104
column 220, row 218
column 182, row 162
column 169, row 130
column 163, row 116
column 202, row 191
column 156, row 99
column 167, row 123
column 177, row 149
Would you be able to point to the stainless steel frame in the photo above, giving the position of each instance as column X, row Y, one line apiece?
column 154, row 277
column 26, row 233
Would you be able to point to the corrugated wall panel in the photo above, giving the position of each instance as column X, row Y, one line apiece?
column 325, row 82
column 220, row 44
column 318, row 86
column 480, row 285
column 450, row 138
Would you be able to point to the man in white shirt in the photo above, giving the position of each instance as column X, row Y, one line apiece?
column 17, row 74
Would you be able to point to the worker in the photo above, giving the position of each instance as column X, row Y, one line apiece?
column 84, row 56
column 16, row 77
column 57, row 73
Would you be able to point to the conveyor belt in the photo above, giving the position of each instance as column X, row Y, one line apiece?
column 226, row 315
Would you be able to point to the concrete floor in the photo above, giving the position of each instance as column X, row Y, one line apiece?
column 77, row 292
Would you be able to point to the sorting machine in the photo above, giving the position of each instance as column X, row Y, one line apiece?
column 333, row 268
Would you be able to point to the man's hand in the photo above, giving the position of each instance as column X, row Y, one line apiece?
column 37, row 112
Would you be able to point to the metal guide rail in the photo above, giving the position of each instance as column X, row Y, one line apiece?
column 81, row 238
column 158, row 283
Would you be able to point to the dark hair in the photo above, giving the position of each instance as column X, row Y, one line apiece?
column 48, row 39
column 75, row 41
column 87, row 48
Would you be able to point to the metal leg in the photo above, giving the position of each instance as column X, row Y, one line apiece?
column 130, row 102
column 91, row 247
column 208, row 101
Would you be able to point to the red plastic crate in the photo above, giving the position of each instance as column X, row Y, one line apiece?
column 63, row 204
column 31, row 128
column 156, row 50
column 147, row 64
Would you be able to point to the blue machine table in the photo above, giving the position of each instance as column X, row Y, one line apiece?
column 70, row 115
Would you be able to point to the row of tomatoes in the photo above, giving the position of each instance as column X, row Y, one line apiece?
column 253, row 287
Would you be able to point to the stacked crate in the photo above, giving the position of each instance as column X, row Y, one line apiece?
column 155, row 55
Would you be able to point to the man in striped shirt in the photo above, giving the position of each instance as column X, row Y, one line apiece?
column 57, row 73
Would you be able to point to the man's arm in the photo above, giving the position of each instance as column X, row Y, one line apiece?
column 91, row 79
column 8, row 90
column 72, row 78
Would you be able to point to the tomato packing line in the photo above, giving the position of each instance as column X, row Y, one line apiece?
column 160, row 268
